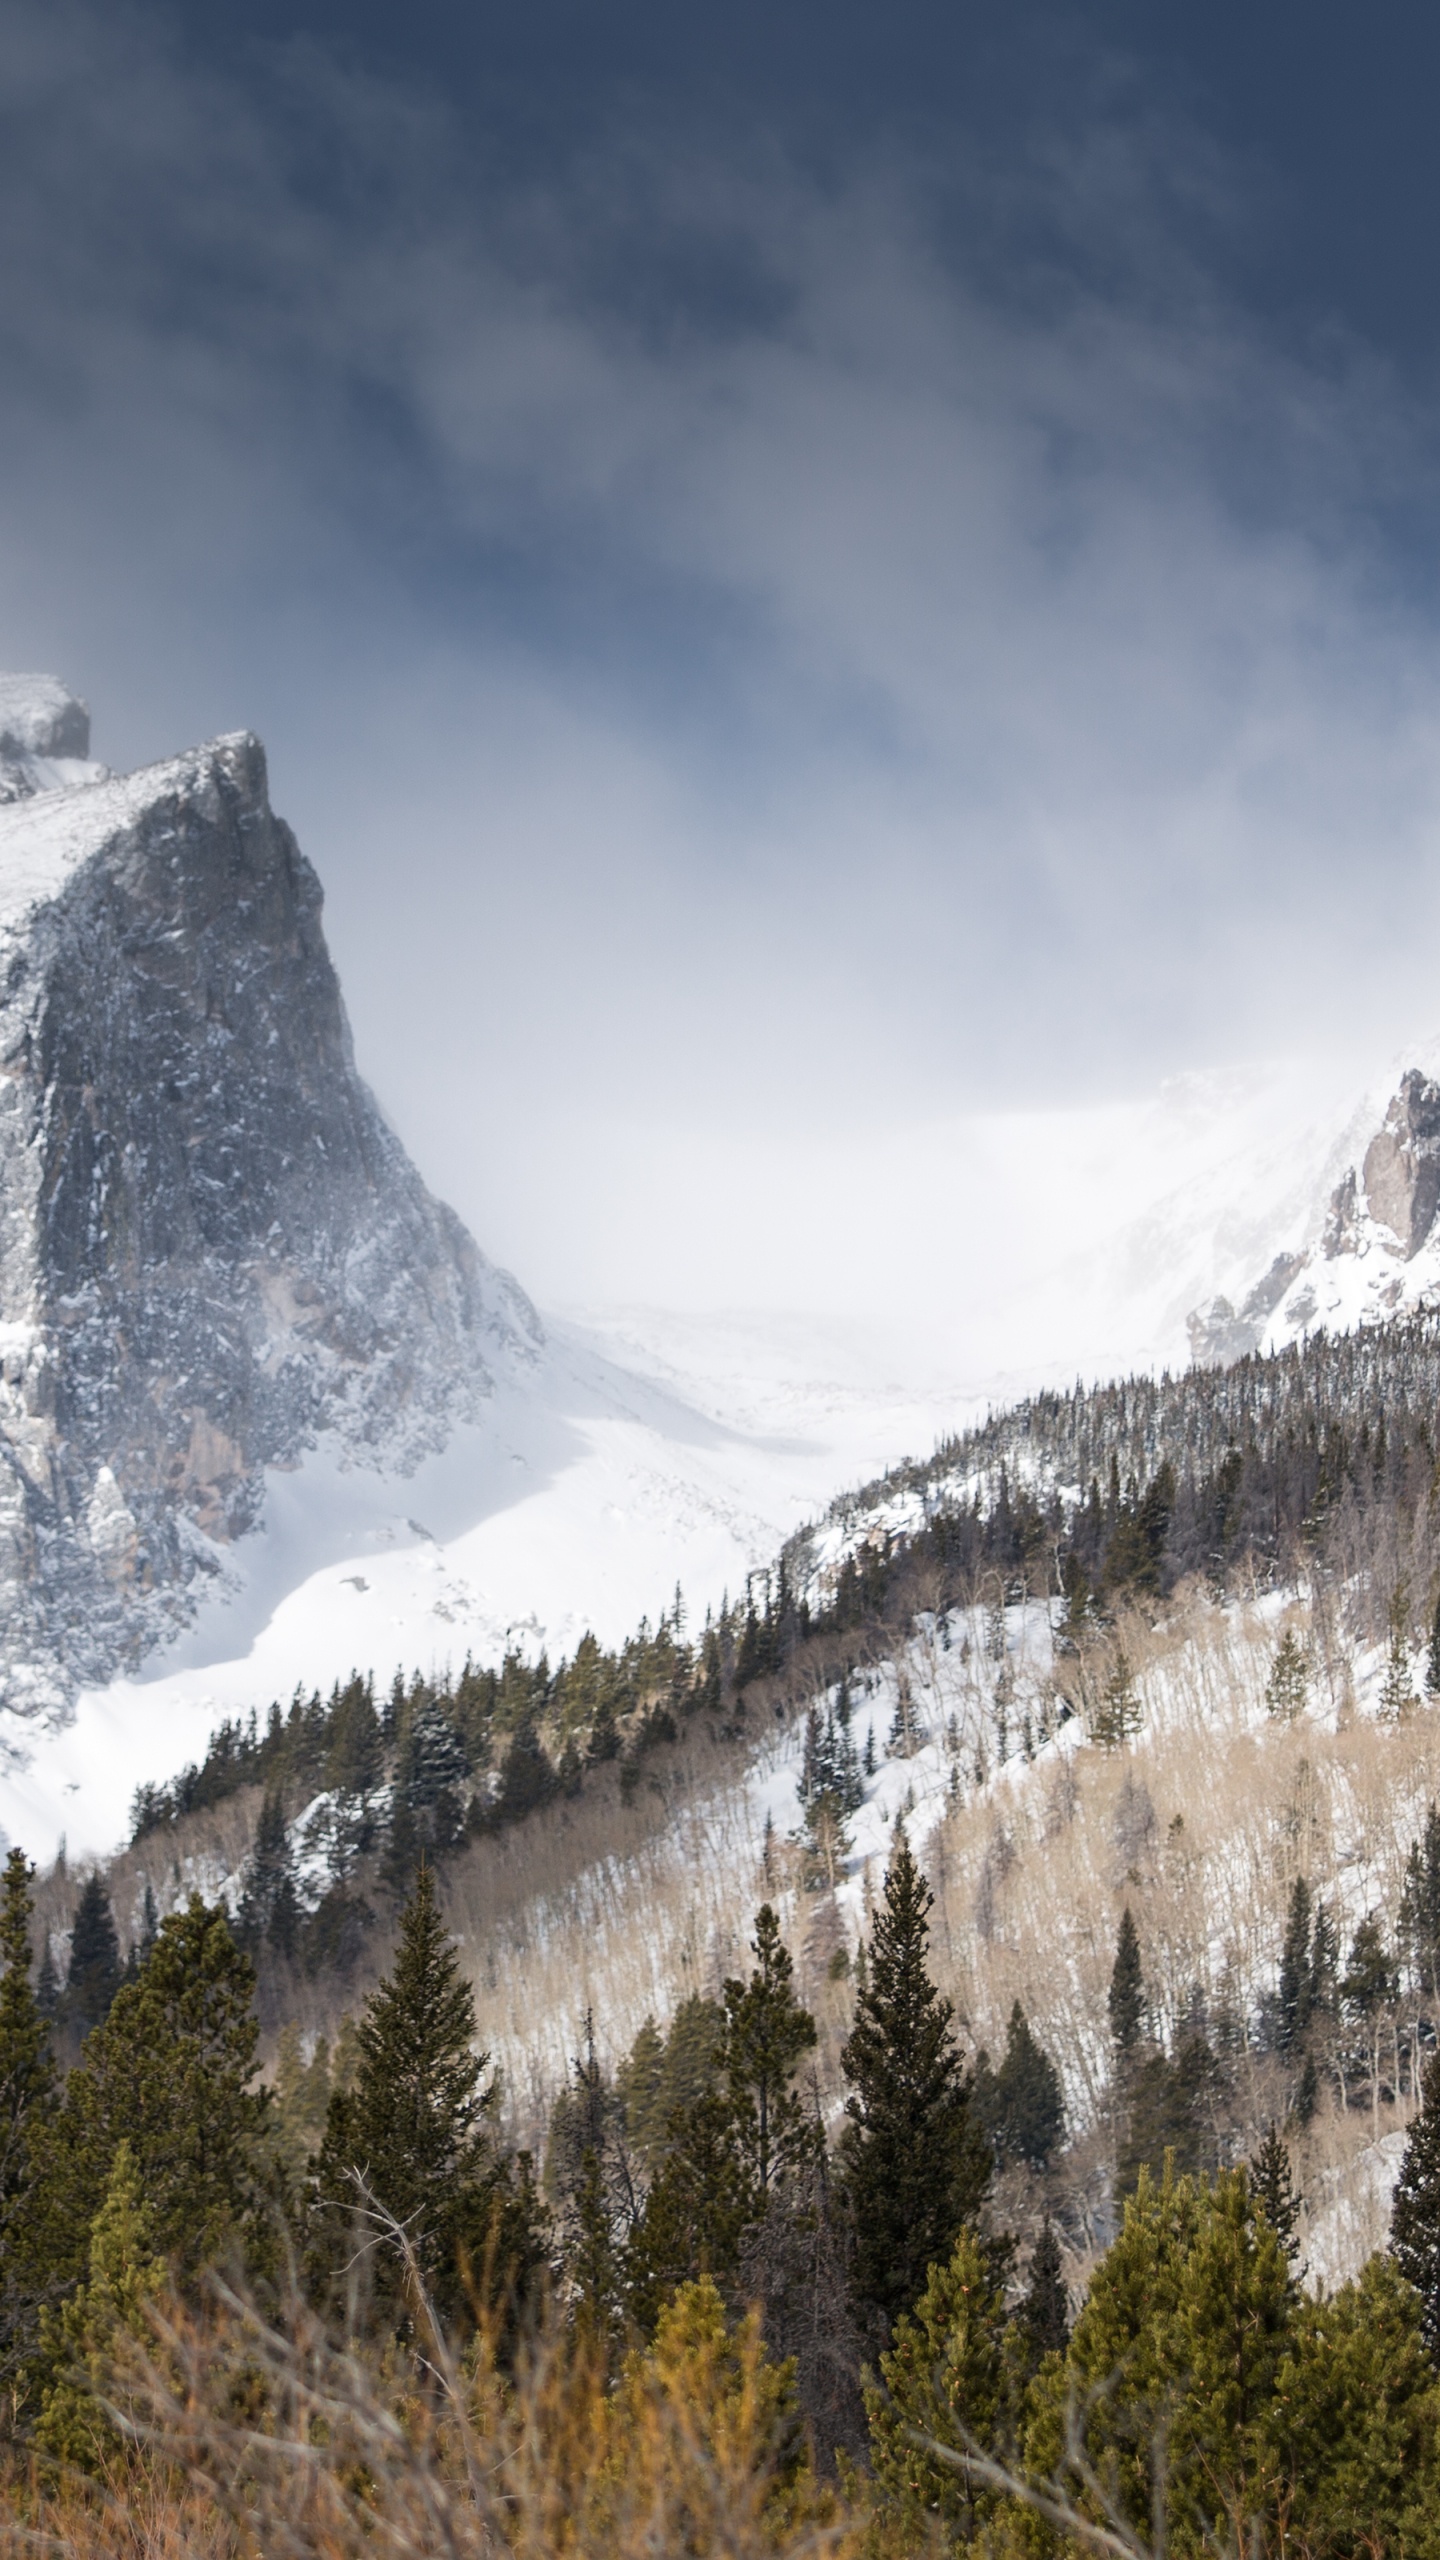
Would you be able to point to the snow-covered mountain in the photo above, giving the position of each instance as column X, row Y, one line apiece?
column 267, row 1413
column 213, row 1250
column 1367, row 1243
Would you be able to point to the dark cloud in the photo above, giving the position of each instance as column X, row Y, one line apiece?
column 771, row 596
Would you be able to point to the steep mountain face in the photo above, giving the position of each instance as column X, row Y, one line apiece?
column 212, row 1248
column 1374, row 1244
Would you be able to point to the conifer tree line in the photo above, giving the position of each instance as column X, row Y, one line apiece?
column 1323, row 1455
column 695, row 2214
column 1325, row 1450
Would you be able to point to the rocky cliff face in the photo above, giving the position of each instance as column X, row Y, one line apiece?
column 1374, row 1246
column 212, row 1248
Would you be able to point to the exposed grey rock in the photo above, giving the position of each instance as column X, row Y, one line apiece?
column 1221, row 1333
column 1402, row 1164
column 1376, row 1238
column 1341, row 1230
column 212, row 1247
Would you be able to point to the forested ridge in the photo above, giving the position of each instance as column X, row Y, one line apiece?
column 807, row 2258
column 1147, row 1478
column 716, row 2322
column 1325, row 1451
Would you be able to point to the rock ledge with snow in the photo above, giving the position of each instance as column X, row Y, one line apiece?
column 212, row 1247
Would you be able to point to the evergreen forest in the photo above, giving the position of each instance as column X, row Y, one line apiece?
column 1039, row 2149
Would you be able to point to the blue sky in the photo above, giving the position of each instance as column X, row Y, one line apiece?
column 800, row 568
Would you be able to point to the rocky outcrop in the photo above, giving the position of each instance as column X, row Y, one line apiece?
column 212, row 1248
column 1220, row 1332
column 1401, row 1173
column 1375, row 1240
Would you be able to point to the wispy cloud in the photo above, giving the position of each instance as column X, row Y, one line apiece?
column 750, row 644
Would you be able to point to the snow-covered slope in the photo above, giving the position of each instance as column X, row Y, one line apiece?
column 267, row 1414
column 590, row 1489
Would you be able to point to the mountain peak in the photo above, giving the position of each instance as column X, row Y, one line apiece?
column 213, row 1249
column 1372, row 1246
column 40, row 716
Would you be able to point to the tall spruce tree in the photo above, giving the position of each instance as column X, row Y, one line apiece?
column 95, row 1971
column 1296, row 1997
column 269, row 1913
column 412, row 2138
column 1044, row 2310
column 586, row 2182
column 766, row 2035
column 915, row 2167
column 1273, row 2188
column 694, row 2219
column 1415, row 2214
column 1419, row 1929
column 1127, row 1990
column 27, row 2101
column 47, row 1984
column 1021, row 2107
column 170, row 2070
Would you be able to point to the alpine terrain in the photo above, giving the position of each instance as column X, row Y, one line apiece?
column 212, row 1248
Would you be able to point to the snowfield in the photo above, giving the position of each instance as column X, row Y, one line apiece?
column 588, row 1493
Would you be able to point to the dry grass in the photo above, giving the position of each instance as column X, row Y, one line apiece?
column 246, row 2437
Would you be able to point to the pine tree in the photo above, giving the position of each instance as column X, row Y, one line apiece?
column 947, row 2363
column 27, row 2102
column 1127, row 1990
column 430, row 1771
column 1289, row 1683
column 269, row 1912
column 170, row 2070
column 639, row 2086
column 914, row 2166
column 355, row 1766
column 301, row 2102
column 1168, row 2111
column 1118, row 1713
column 1370, row 1981
column 1419, row 1928
column 1024, row 2111
column 124, row 2277
column 95, row 1969
column 1415, row 2214
column 1325, row 1964
column 167, row 2071
column 1397, row 1689
column 1273, row 2189
column 47, row 1983
column 826, row 1841
column 412, row 2140
column 767, row 2033
column 581, row 2168
column 1175, row 2365
column 1297, row 1972
column 700, row 2204
column 1045, row 2306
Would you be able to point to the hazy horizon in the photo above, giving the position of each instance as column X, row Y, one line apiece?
column 820, row 591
